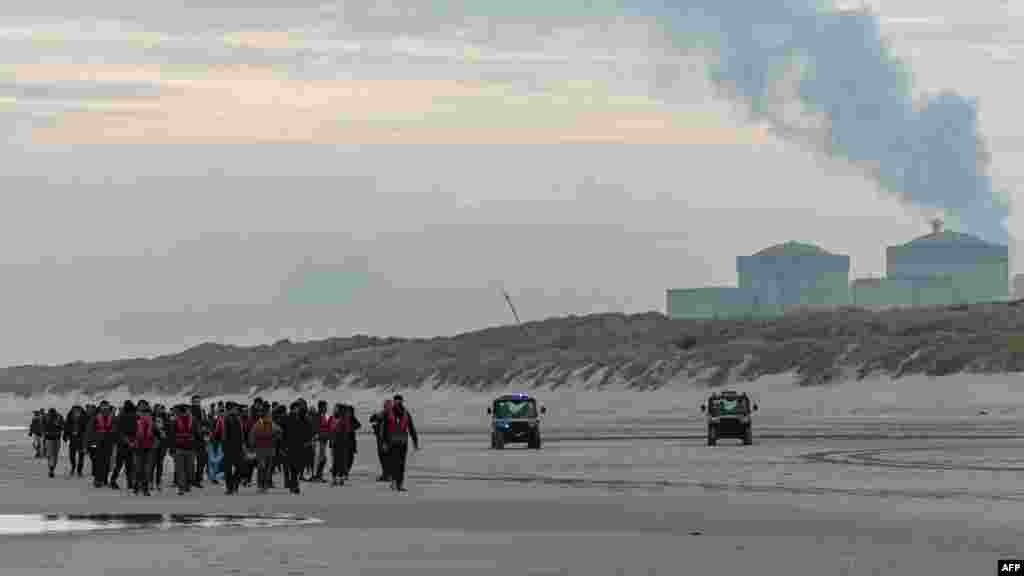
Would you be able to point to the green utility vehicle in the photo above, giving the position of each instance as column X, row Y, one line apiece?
column 515, row 418
column 728, row 416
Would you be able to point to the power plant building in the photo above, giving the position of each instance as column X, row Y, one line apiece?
column 710, row 302
column 976, row 271
column 777, row 279
column 940, row 269
column 795, row 275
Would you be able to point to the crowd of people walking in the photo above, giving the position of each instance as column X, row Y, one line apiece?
column 227, row 443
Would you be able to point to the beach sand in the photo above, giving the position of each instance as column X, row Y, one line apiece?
column 579, row 506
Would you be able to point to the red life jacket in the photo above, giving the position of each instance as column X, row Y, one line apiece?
column 144, row 437
column 104, row 424
column 398, row 429
column 326, row 424
column 218, row 428
column 183, row 438
column 343, row 425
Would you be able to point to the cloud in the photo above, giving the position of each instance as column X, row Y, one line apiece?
column 258, row 104
column 79, row 90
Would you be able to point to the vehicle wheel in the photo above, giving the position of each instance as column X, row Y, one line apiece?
column 748, row 437
column 712, row 436
column 494, row 442
column 499, row 441
column 535, row 442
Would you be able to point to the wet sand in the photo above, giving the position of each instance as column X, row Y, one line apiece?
column 788, row 505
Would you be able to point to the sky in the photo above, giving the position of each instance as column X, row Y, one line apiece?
column 240, row 173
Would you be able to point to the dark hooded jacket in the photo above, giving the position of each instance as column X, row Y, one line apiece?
column 125, row 426
column 75, row 425
column 297, row 432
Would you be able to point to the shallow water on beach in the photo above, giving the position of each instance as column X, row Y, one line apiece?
column 25, row 524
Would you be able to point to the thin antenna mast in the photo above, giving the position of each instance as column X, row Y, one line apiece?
column 510, row 305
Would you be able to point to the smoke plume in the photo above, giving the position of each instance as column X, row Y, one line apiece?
column 855, row 99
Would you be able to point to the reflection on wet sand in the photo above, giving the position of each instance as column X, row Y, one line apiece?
column 20, row 524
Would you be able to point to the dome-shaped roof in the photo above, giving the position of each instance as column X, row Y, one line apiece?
column 948, row 238
column 793, row 249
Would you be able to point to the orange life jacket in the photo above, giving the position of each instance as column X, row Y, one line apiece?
column 263, row 433
column 183, row 432
column 104, row 424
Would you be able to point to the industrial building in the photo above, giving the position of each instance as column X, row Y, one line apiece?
column 710, row 302
column 795, row 275
column 938, row 269
column 771, row 282
column 941, row 268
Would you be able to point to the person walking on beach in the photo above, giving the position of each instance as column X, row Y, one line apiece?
column 35, row 431
column 248, row 417
column 74, row 435
column 87, row 436
column 398, row 429
column 184, row 444
column 325, row 423
column 353, row 444
column 102, row 440
column 280, row 416
column 309, row 452
column 199, row 431
column 145, row 445
column 53, row 431
column 377, row 420
column 298, row 438
column 338, row 427
column 232, row 439
column 263, row 438
column 164, row 442
column 125, row 449
column 344, row 442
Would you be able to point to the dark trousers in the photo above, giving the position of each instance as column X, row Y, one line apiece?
column 340, row 455
column 101, row 462
column 249, row 467
column 92, row 450
column 232, row 467
column 310, row 461
column 294, row 464
column 143, row 468
column 184, row 469
column 351, row 459
column 385, row 462
column 266, row 470
column 397, row 455
column 125, row 458
column 156, row 472
column 202, row 460
column 76, row 453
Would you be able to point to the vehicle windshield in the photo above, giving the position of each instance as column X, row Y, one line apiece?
column 728, row 406
column 515, row 408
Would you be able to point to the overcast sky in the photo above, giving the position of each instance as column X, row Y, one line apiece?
column 243, row 172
